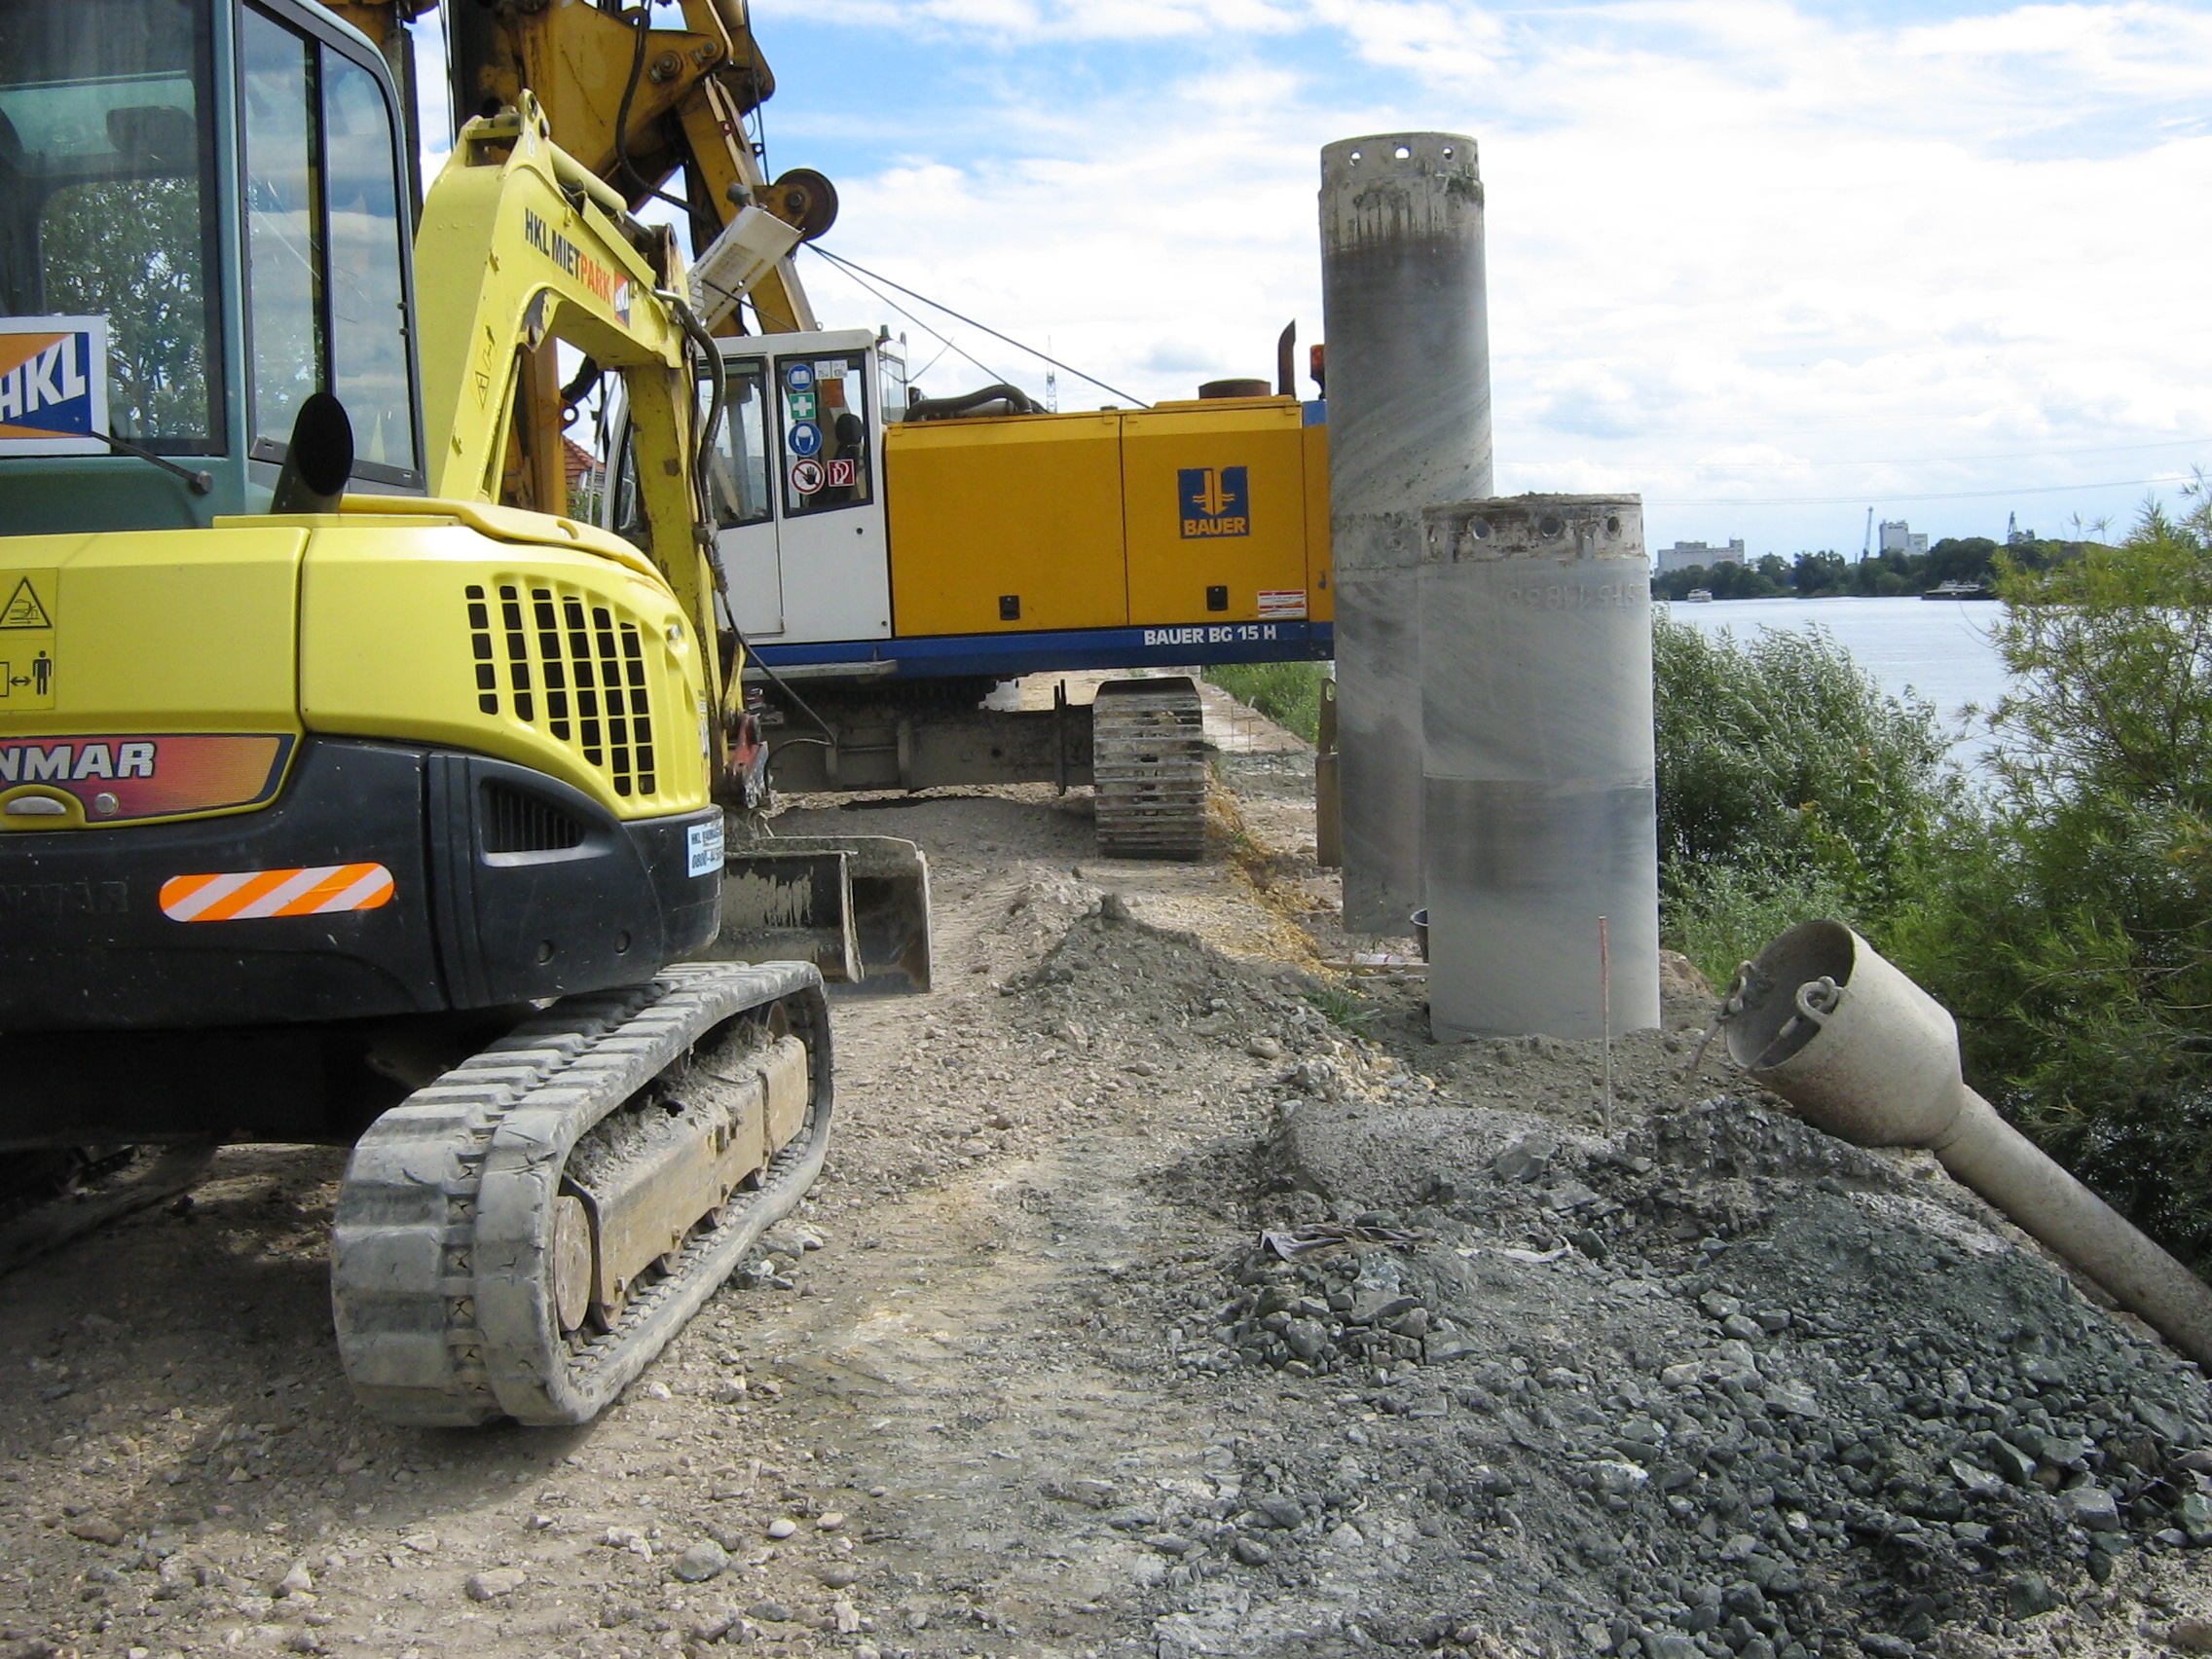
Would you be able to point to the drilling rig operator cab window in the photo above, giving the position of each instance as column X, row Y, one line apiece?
column 325, row 307
column 823, row 402
column 108, row 200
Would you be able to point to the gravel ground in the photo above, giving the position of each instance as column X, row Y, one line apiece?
column 1683, row 1378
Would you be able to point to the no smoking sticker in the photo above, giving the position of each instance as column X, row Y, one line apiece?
column 806, row 476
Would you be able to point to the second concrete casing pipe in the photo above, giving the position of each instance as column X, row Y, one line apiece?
column 1864, row 1054
column 1538, row 797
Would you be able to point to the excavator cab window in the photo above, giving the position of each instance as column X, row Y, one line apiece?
column 325, row 302
column 626, row 516
column 108, row 202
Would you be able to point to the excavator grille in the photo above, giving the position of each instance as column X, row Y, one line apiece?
column 570, row 664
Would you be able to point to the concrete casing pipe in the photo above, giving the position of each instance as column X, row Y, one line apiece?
column 1541, row 814
column 1866, row 1054
column 1402, row 309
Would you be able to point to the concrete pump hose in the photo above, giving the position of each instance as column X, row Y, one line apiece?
column 2011, row 1172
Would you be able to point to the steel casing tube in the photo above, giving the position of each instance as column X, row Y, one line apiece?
column 1402, row 296
column 1540, row 808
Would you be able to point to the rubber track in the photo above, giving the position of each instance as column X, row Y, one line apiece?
column 440, row 1277
column 1148, row 758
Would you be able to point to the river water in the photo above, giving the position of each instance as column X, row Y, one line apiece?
column 1941, row 648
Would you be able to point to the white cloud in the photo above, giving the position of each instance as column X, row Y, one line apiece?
column 1028, row 22
column 1736, row 249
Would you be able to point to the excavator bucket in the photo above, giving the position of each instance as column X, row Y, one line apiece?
column 857, row 906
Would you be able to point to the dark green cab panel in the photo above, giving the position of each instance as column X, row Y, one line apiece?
column 57, row 494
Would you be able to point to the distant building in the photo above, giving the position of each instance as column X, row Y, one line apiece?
column 1898, row 538
column 1686, row 554
column 583, row 468
column 2014, row 534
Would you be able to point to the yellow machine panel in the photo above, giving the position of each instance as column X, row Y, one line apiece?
column 1183, row 514
column 1214, row 498
column 145, row 678
column 558, row 659
column 188, row 627
column 1006, row 526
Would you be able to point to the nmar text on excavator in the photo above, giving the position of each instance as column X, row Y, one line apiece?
column 338, row 801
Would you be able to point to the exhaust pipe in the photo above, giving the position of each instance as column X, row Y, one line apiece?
column 1823, row 1020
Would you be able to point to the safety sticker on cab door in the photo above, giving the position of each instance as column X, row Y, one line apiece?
column 704, row 841
column 1281, row 605
column 247, row 895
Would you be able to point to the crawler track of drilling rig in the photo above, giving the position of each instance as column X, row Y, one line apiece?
column 1149, row 768
column 522, row 1237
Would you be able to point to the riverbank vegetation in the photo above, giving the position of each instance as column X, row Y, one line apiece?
column 1288, row 693
column 1789, row 784
column 2069, row 925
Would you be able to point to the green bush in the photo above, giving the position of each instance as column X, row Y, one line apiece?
column 1288, row 693
column 1722, row 915
column 2072, row 936
column 1791, row 786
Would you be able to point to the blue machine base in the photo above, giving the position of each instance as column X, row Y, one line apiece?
column 1002, row 656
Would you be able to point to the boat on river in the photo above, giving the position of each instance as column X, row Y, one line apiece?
column 1960, row 590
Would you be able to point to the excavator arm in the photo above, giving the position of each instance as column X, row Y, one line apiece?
column 638, row 106
column 520, row 246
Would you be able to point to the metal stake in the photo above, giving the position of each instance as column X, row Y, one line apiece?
column 1605, row 1002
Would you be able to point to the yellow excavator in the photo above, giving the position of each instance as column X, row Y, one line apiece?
column 340, row 801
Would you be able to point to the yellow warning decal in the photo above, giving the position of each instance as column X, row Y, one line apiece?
column 320, row 890
column 22, row 609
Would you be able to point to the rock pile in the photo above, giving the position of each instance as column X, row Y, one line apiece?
column 1723, row 1386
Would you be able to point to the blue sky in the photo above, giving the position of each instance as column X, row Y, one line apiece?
column 1767, row 264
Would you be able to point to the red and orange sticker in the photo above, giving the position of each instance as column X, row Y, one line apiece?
column 319, row 890
column 119, row 778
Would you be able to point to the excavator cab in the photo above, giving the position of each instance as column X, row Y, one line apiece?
column 204, row 219
column 796, row 483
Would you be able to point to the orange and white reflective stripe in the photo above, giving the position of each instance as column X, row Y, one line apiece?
column 320, row 890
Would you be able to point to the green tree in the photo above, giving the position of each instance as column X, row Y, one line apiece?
column 1818, row 572
column 1957, row 559
column 130, row 249
column 2072, row 932
column 1789, row 784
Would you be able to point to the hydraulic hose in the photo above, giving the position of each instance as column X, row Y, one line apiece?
column 1017, row 402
